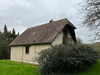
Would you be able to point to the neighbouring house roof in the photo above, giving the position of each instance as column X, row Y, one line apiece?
column 42, row 34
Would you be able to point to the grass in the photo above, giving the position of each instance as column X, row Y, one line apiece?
column 8, row 67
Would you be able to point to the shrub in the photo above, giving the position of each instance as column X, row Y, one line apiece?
column 66, row 59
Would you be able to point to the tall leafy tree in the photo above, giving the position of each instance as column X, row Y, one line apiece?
column 92, row 16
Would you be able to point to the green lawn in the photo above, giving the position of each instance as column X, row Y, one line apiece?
column 8, row 67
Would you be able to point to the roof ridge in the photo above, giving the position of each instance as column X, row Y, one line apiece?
column 47, row 23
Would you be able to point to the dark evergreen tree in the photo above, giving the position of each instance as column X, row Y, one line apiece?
column 5, row 33
column 13, row 34
column 5, row 39
column 4, row 47
column 5, row 29
column 18, row 34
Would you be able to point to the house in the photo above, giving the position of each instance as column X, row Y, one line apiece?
column 25, row 48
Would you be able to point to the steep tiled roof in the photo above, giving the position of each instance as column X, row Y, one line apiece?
column 42, row 34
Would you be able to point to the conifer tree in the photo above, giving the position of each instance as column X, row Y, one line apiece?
column 4, row 47
column 5, row 39
column 5, row 33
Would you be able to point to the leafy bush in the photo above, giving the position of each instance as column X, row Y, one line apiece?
column 66, row 59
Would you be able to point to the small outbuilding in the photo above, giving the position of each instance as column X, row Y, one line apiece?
column 25, row 48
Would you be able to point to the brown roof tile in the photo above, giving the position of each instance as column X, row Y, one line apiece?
column 41, row 34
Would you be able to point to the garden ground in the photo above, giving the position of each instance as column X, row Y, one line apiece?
column 8, row 67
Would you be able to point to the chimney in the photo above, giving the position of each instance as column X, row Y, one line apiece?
column 51, row 20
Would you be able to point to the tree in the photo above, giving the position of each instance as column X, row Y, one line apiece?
column 13, row 34
column 10, row 36
column 5, row 29
column 4, row 47
column 18, row 34
column 5, row 33
column 92, row 16
column 5, row 39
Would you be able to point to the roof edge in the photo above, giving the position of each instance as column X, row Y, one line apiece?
column 70, row 23
column 43, row 43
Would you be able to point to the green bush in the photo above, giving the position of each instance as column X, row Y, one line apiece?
column 66, row 59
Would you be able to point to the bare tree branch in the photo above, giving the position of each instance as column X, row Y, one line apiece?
column 92, row 16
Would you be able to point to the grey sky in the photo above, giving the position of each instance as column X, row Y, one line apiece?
column 22, row 14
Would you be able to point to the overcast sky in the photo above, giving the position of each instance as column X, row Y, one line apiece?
column 22, row 14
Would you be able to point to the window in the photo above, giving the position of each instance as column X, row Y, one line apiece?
column 27, row 49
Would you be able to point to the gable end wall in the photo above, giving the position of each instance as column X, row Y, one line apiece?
column 59, row 38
